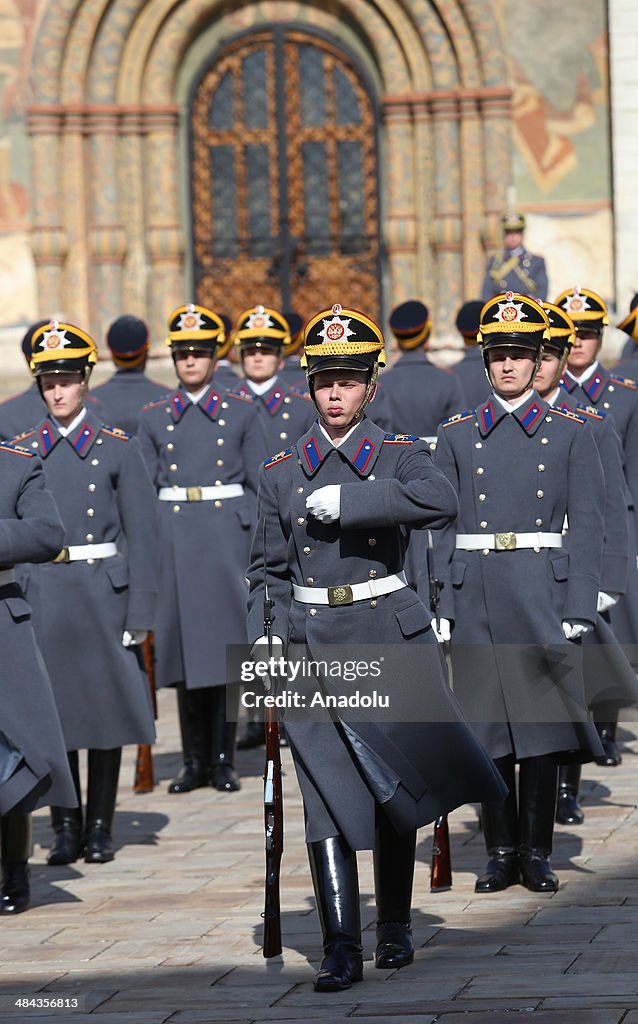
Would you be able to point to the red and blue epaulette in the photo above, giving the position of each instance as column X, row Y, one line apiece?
column 116, row 432
column 400, row 438
column 238, row 394
column 6, row 446
column 19, row 438
column 625, row 382
column 459, row 417
column 274, row 460
column 569, row 414
column 588, row 410
column 154, row 404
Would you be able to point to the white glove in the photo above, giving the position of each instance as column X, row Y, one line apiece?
column 444, row 632
column 259, row 652
column 325, row 503
column 134, row 637
column 606, row 601
column 573, row 630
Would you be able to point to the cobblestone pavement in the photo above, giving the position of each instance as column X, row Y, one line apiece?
column 170, row 931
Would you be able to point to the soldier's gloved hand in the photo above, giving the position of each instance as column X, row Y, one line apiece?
column 259, row 652
column 574, row 629
column 444, row 632
column 606, row 601
column 133, row 637
column 325, row 503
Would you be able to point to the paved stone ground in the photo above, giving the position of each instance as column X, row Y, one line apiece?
column 170, row 931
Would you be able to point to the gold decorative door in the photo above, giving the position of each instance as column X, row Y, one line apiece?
column 284, row 178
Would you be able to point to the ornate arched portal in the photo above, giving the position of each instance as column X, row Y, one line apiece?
column 111, row 81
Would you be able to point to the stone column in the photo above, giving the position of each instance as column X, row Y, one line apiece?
column 77, row 301
column 399, row 216
column 48, row 236
column 496, row 110
column 472, row 193
column 131, row 202
column 447, row 228
column 106, row 236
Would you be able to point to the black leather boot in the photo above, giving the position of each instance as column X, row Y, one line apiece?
column 104, row 772
column 254, row 735
column 568, row 810
column 612, row 756
column 15, row 843
column 393, row 877
column 225, row 702
column 194, row 721
column 67, row 823
column 537, row 785
column 333, row 866
column 500, row 830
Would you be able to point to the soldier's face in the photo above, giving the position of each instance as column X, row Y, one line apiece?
column 511, row 370
column 513, row 239
column 338, row 394
column 194, row 369
column 63, row 395
column 545, row 379
column 260, row 364
column 584, row 350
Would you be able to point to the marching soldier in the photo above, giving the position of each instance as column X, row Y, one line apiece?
column 471, row 369
column 203, row 446
column 610, row 682
column 628, row 365
column 515, row 269
column 93, row 604
column 124, row 394
column 329, row 545
column 261, row 338
column 517, row 603
column 33, row 764
column 592, row 384
column 415, row 395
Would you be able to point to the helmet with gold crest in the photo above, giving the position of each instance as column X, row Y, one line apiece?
column 511, row 320
column 343, row 339
column 62, row 348
column 196, row 329
column 261, row 327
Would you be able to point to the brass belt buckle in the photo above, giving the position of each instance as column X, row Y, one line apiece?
column 193, row 494
column 340, row 595
column 505, row 541
column 63, row 556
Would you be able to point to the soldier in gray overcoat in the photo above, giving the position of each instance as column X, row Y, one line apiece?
column 515, row 268
column 586, row 380
column 94, row 603
column 510, row 591
column 203, row 446
column 124, row 394
column 471, row 368
column 610, row 681
column 34, row 770
column 330, row 541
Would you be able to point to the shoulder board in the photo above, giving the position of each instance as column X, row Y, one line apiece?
column 155, row 403
column 240, row 396
column 567, row 414
column 16, row 449
column 459, row 417
column 300, row 394
column 21, row 437
column 400, row 438
column 588, row 410
column 279, row 457
column 625, row 382
column 116, row 432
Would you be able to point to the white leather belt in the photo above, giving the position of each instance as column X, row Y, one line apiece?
column 348, row 593
column 7, row 576
column 507, row 541
column 83, row 552
column 200, row 493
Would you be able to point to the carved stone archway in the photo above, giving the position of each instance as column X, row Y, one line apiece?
column 108, row 84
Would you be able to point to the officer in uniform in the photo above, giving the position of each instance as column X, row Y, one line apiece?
column 203, row 446
column 515, row 269
column 261, row 338
column 609, row 679
column 124, row 394
column 471, row 369
column 628, row 365
column 512, row 595
column 33, row 764
column 415, row 395
column 93, row 604
column 329, row 542
column 592, row 384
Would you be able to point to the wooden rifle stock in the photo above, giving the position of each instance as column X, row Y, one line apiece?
column 144, row 779
column 441, row 872
column 274, row 827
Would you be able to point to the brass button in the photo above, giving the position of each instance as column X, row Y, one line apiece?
column 538, row 522
column 217, row 504
column 91, row 488
column 167, row 408
column 224, row 405
column 90, row 512
column 478, row 444
column 373, row 604
column 99, row 441
column 95, row 462
column 372, row 477
column 541, row 468
column 34, row 444
column 540, row 494
column 611, row 387
column 222, row 423
column 285, row 415
column 170, row 427
column 89, row 537
column 300, row 521
column 481, row 497
column 175, row 508
column 218, row 483
column 283, row 435
column 548, row 419
column 220, row 440
column 219, row 462
column 372, row 574
column 480, row 471
column 544, row 440
column 287, row 400
column 173, row 467
column 605, row 405
column 486, row 551
column 307, row 550
column 313, row 611
column 90, row 561
column 170, row 446
column 300, row 490
column 372, row 541
column 483, row 524
column 310, row 581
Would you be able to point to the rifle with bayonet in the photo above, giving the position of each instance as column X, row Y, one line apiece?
column 273, row 799
column 144, row 776
column 441, row 868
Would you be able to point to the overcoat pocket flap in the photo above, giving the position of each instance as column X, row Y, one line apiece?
column 117, row 572
column 18, row 607
column 457, row 573
column 413, row 619
column 560, row 567
column 244, row 515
